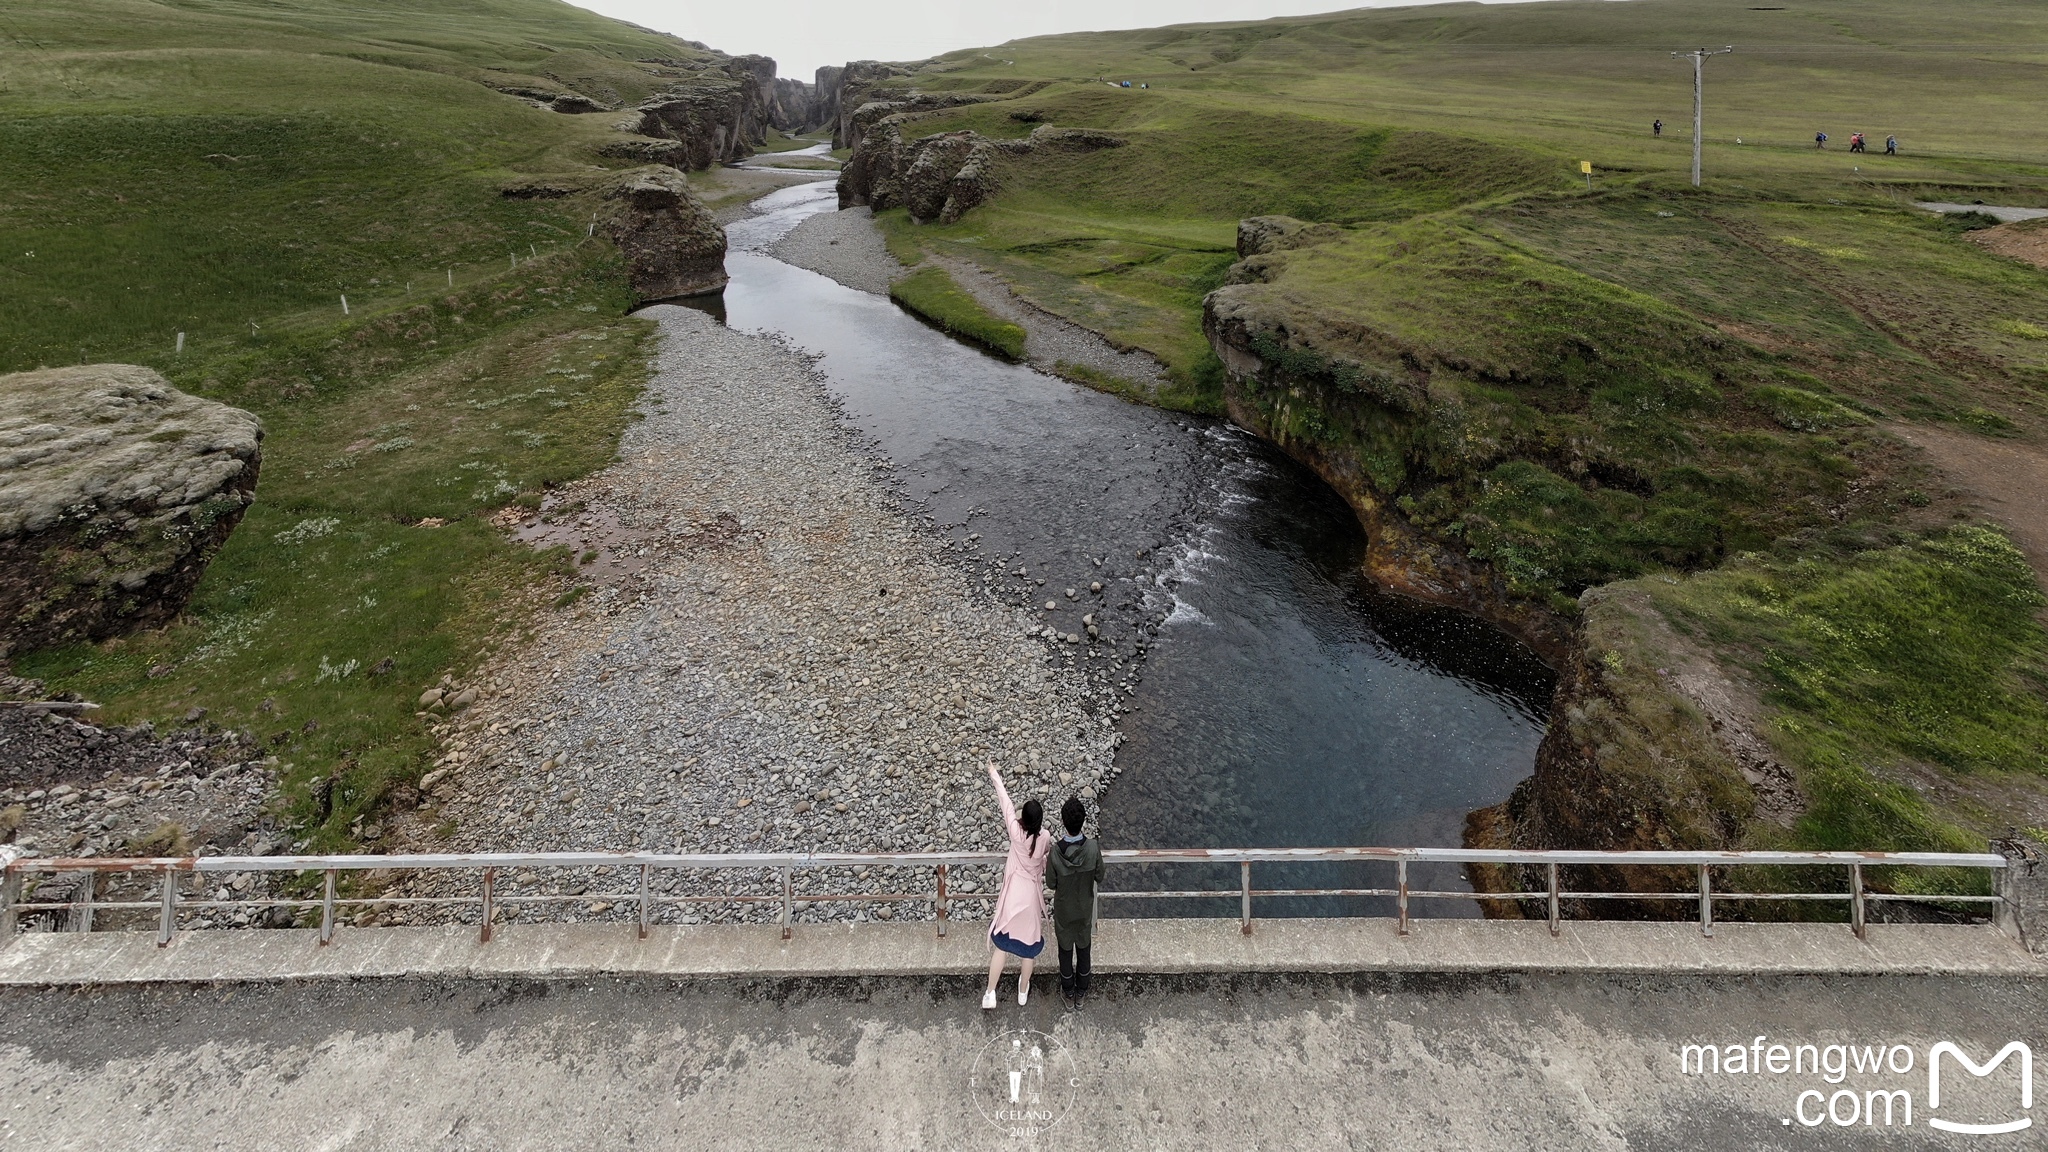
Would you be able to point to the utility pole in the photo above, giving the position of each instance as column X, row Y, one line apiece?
column 1698, row 56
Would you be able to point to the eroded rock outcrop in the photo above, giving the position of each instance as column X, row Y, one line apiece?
column 1652, row 743
column 944, row 175
column 673, row 245
column 116, row 489
column 722, row 112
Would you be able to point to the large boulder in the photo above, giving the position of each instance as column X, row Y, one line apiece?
column 673, row 245
column 116, row 489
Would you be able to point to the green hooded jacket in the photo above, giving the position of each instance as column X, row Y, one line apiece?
column 1074, row 870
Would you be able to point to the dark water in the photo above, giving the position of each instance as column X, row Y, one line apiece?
column 1283, row 702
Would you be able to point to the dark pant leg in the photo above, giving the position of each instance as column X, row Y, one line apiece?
column 1066, row 969
column 1083, row 969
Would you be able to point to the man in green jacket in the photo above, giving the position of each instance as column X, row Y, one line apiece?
column 1074, row 868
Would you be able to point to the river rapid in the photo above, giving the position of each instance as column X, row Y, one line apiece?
column 1266, row 695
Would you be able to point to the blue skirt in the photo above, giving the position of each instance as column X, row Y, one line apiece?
column 1027, row 951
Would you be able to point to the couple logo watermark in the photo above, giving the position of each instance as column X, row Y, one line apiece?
column 1023, row 1081
column 1993, row 1110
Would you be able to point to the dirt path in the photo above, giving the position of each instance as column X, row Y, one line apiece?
column 2010, row 478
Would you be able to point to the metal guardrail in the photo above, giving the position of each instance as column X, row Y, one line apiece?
column 783, row 868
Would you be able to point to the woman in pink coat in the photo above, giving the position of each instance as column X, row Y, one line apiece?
column 1015, row 926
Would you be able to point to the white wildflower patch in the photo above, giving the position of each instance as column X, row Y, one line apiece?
column 305, row 530
column 231, row 635
column 395, row 444
column 335, row 672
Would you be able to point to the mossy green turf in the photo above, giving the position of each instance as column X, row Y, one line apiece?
column 931, row 293
column 230, row 170
column 1582, row 387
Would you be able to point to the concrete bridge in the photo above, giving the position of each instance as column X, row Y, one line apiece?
column 1301, row 1034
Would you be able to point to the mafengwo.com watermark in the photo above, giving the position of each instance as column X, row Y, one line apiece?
column 1978, row 1090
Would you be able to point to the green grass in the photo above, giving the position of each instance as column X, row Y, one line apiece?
column 1886, row 668
column 230, row 170
column 931, row 293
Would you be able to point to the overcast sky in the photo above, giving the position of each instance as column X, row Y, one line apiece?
column 803, row 34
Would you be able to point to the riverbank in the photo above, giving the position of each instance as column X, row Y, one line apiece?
column 779, row 661
column 848, row 247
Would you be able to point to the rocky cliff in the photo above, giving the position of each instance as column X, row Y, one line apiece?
column 1651, row 742
column 943, row 175
column 721, row 112
column 672, row 244
column 116, row 489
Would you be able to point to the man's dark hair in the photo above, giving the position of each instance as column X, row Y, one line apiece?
column 1072, row 814
column 1032, row 818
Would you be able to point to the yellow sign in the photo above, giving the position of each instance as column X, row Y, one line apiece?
column 1586, row 166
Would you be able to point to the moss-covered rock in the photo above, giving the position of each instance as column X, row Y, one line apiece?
column 116, row 489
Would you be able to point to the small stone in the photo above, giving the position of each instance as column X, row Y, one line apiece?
column 1050, row 605
column 1095, row 587
column 1072, row 595
column 431, row 697
column 1073, row 637
column 119, row 802
column 192, row 715
column 463, row 699
column 744, row 801
column 802, row 806
column 1088, row 793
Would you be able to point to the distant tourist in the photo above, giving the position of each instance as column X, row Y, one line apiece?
column 1856, row 142
column 1820, row 139
column 1891, row 145
column 1657, row 127
column 1075, row 868
column 1020, row 905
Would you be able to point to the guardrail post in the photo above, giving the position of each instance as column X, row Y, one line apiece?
column 327, row 909
column 1706, row 902
column 1556, row 912
column 167, row 923
column 646, row 907
column 490, row 902
column 940, row 906
column 1244, row 888
column 10, row 898
column 80, row 919
column 1856, row 922
column 788, row 904
column 1401, row 896
column 2022, row 887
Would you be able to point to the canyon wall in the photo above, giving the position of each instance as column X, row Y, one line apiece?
column 723, row 112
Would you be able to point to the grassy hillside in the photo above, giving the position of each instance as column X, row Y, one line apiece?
column 1636, row 381
column 231, row 171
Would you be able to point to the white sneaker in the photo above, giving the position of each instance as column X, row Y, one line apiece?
column 1023, row 994
column 988, row 1000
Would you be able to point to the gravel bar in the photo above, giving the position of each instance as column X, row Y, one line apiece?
column 791, row 665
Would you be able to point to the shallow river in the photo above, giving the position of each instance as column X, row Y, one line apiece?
column 1282, row 702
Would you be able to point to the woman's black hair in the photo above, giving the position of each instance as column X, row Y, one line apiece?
column 1032, row 818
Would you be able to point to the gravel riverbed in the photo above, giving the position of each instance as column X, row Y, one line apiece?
column 782, row 661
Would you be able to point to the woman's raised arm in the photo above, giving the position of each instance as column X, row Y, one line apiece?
column 1003, row 802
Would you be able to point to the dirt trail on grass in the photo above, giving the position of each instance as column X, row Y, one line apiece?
column 2009, row 477
column 2024, row 240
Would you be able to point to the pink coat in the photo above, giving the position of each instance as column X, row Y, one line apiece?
column 1020, row 905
